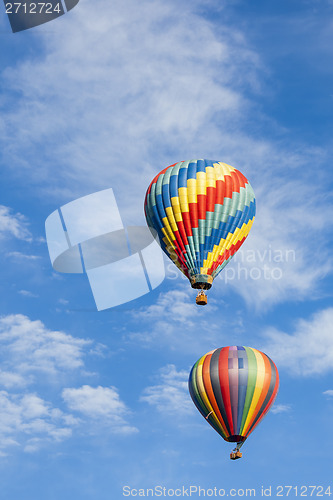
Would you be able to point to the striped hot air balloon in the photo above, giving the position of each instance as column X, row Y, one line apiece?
column 233, row 388
column 202, row 211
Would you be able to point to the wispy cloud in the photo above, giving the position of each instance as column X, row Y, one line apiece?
column 13, row 379
column 173, row 321
column 308, row 350
column 170, row 394
column 29, row 348
column 176, row 305
column 143, row 96
column 28, row 422
column 27, row 293
column 328, row 393
column 276, row 263
column 135, row 91
column 280, row 409
column 22, row 256
column 30, row 353
column 101, row 404
column 13, row 224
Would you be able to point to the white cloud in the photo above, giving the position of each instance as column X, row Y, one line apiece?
column 14, row 225
column 63, row 302
column 308, row 350
column 22, row 256
column 277, row 261
column 171, row 394
column 177, row 306
column 162, row 102
column 280, row 409
column 136, row 90
column 32, row 354
column 12, row 379
column 28, row 422
column 28, row 348
column 27, row 293
column 173, row 320
column 328, row 393
column 99, row 403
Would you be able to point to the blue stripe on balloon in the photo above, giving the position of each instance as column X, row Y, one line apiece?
column 192, row 170
column 160, row 206
column 182, row 178
column 166, row 195
column 201, row 166
column 157, row 218
column 173, row 186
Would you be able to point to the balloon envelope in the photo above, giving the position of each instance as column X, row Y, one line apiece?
column 233, row 388
column 203, row 211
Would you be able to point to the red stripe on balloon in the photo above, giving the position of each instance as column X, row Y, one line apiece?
column 182, row 233
column 228, row 186
column 224, row 383
column 201, row 202
column 211, row 195
column 187, row 223
column 235, row 182
column 242, row 181
column 220, row 190
column 193, row 207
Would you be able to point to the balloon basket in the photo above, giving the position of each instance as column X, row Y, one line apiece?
column 234, row 455
column 201, row 298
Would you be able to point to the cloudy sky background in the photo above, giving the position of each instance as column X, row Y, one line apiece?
column 107, row 96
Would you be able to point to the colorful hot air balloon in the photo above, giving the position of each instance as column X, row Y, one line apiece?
column 233, row 388
column 202, row 211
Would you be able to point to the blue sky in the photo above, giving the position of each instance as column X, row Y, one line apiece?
column 107, row 96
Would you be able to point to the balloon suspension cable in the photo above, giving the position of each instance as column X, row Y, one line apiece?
column 209, row 415
column 239, row 445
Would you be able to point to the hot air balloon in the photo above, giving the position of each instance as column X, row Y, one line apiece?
column 233, row 388
column 202, row 211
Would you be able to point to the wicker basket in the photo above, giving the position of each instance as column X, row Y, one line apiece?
column 201, row 299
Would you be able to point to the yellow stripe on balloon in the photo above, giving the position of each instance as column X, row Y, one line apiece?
column 192, row 190
column 182, row 193
column 201, row 182
column 167, row 230
column 257, row 391
column 166, row 240
column 210, row 179
column 176, row 209
column 171, row 219
column 219, row 175
column 227, row 169
column 175, row 205
column 209, row 260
